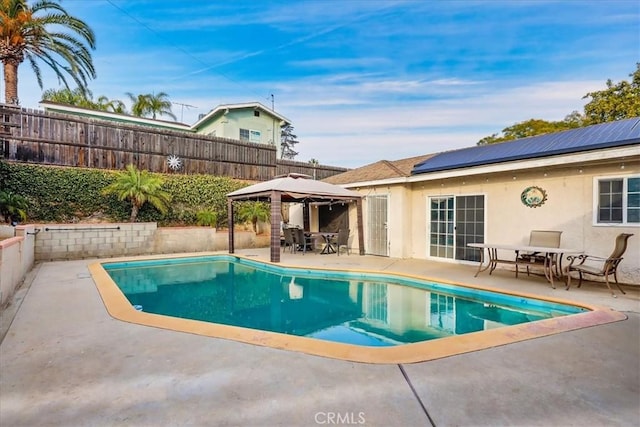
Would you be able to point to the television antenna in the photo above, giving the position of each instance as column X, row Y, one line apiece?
column 182, row 108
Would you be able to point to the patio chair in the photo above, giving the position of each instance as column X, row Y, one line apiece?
column 288, row 239
column 540, row 238
column 301, row 241
column 343, row 240
column 598, row 266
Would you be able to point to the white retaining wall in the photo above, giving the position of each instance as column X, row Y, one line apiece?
column 16, row 259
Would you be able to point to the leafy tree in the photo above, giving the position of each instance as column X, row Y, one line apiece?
column 34, row 33
column 76, row 97
column 254, row 212
column 145, row 105
column 287, row 141
column 534, row 127
column 139, row 187
column 13, row 207
column 314, row 162
column 617, row 102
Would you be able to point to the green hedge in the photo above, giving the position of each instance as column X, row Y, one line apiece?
column 64, row 194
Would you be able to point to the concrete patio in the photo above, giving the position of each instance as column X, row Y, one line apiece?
column 65, row 362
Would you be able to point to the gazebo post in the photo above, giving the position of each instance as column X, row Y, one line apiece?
column 360, row 225
column 276, row 214
column 230, row 224
column 305, row 216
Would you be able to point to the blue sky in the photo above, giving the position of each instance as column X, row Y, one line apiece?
column 362, row 80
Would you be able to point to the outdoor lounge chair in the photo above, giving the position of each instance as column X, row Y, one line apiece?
column 540, row 238
column 598, row 266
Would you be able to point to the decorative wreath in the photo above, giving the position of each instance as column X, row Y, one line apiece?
column 533, row 197
column 174, row 162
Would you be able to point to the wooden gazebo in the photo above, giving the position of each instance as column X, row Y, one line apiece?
column 292, row 188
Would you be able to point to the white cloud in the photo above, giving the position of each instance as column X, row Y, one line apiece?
column 354, row 137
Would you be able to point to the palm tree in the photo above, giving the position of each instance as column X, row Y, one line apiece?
column 139, row 187
column 254, row 212
column 13, row 206
column 207, row 217
column 139, row 104
column 34, row 33
column 151, row 104
column 112, row 105
column 160, row 104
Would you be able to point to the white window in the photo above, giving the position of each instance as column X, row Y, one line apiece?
column 249, row 135
column 617, row 200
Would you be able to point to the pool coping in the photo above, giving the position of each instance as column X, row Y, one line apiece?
column 119, row 307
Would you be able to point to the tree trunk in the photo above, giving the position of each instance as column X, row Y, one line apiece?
column 10, row 81
column 134, row 213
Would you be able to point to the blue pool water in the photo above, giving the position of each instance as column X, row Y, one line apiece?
column 368, row 309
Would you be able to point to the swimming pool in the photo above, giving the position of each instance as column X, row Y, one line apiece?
column 363, row 316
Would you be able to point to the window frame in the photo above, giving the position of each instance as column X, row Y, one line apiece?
column 252, row 134
column 625, row 200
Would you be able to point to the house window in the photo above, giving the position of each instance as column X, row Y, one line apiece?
column 249, row 135
column 618, row 200
column 256, row 113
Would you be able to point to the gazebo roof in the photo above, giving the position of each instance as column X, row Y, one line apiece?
column 291, row 188
column 294, row 187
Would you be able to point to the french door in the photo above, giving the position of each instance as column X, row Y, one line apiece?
column 454, row 222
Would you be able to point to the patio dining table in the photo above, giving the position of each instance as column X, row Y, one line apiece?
column 329, row 238
column 552, row 265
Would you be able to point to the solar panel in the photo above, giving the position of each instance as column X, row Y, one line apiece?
column 605, row 135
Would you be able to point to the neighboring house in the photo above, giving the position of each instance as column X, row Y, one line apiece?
column 250, row 122
column 589, row 179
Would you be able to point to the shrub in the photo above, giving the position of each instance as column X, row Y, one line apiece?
column 207, row 217
column 66, row 194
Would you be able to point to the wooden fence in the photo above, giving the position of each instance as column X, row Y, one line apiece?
column 57, row 139
column 317, row 171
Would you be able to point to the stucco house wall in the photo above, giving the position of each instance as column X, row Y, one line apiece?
column 228, row 125
column 225, row 121
column 569, row 208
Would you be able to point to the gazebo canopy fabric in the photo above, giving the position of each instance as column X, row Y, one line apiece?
column 291, row 188
column 294, row 187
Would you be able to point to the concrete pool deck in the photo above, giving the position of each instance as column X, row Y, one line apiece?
column 65, row 361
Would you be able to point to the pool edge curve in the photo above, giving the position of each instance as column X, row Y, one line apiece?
column 120, row 308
